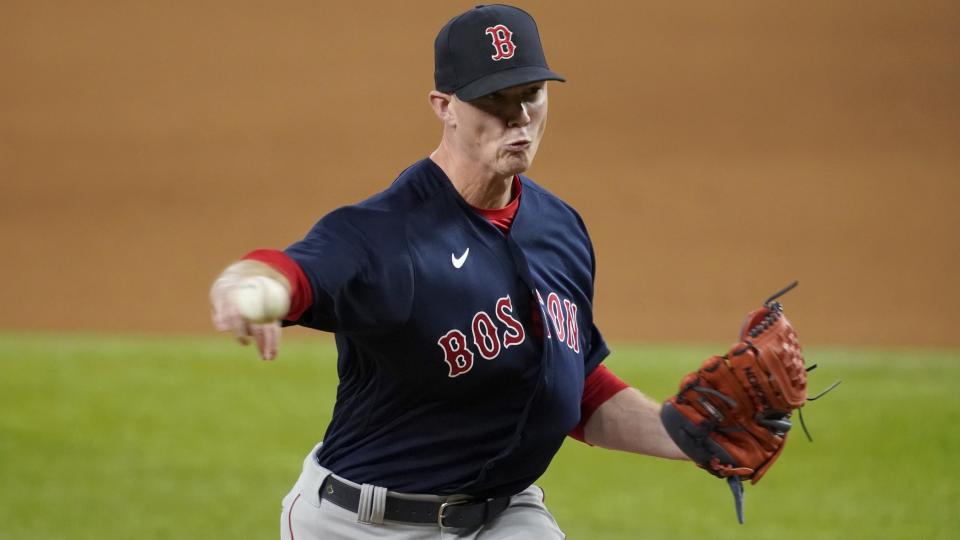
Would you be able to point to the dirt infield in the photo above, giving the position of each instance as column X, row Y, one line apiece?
column 716, row 152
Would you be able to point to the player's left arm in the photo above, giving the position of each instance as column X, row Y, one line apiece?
column 613, row 415
column 630, row 421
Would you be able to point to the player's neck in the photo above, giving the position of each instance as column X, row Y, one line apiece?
column 477, row 185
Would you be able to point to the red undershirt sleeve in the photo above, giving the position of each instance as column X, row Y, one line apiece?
column 600, row 386
column 301, row 293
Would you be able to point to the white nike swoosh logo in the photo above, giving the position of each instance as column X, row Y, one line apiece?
column 458, row 261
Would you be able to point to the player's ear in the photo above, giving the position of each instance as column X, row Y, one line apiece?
column 440, row 103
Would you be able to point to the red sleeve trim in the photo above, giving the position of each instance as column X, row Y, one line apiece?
column 600, row 386
column 301, row 293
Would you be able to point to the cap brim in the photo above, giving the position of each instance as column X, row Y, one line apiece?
column 507, row 78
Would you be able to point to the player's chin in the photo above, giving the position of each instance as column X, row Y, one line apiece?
column 515, row 162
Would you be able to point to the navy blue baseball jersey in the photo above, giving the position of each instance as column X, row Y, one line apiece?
column 445, row 385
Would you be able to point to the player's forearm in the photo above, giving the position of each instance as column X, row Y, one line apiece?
column 630, row 421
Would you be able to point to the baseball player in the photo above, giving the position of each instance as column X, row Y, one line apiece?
column 462, row 302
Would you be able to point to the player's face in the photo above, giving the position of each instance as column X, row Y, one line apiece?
column 502, row 131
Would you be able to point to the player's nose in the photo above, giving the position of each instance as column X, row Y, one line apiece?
column 519, row 116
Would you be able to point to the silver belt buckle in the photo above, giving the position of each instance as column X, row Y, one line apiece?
column 444, row 507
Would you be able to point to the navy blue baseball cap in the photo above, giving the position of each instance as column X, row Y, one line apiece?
column 487, row 49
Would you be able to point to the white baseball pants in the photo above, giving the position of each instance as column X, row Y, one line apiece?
column 305, row 516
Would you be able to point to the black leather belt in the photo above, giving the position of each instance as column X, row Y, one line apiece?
column 466, row 514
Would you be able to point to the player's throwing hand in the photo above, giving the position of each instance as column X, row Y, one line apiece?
column 249, row 301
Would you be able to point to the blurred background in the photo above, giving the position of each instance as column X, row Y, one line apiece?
column 717, row 151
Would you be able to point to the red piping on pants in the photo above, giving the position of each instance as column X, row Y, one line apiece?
column 290, row 515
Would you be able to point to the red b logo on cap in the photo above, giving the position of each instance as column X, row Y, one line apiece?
column 502, row 42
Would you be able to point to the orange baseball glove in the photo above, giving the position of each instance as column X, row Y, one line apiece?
column 732, row 416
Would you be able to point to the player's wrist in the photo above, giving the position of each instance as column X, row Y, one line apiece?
column 249, row 268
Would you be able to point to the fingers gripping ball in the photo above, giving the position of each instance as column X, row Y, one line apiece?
column 260, row 299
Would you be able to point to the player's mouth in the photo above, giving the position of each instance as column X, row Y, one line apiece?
column 519, row 145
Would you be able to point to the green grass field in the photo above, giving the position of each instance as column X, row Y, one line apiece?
column 194, row 438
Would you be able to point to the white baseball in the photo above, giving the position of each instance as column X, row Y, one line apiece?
column 260, row 299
